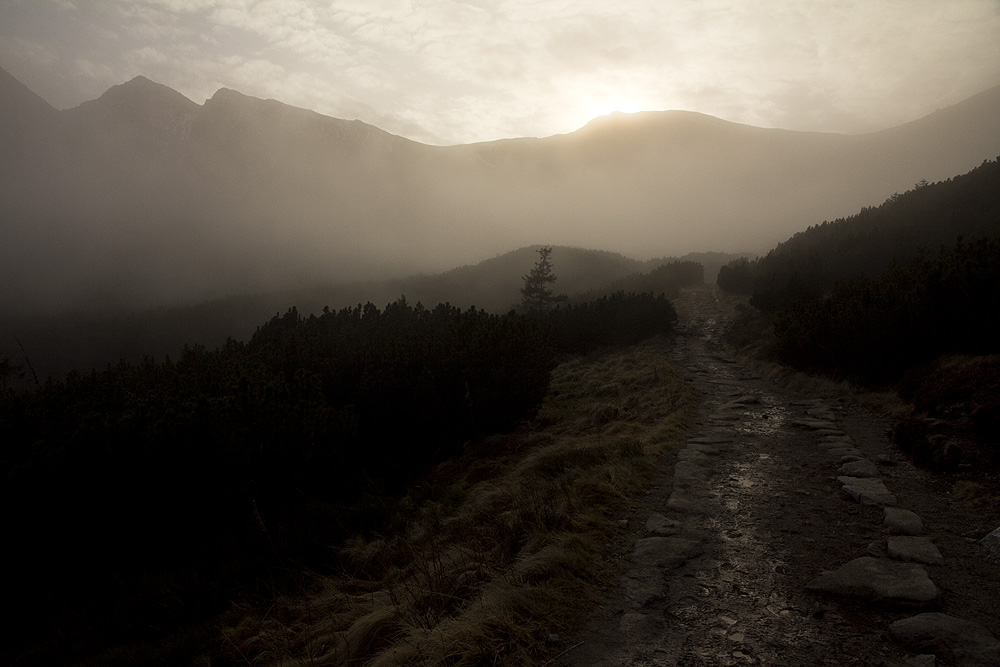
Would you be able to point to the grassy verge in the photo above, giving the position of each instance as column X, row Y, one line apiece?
column 501, row 549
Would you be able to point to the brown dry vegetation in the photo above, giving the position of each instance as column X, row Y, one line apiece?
column 511, row 546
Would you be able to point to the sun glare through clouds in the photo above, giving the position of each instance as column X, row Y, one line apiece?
column 594, row 107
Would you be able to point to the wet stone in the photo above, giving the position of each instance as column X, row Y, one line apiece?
column 903, row 521
column 955, row 641
column 914, row 549
column 866, row 490
column 862, row 468
column 879, row 581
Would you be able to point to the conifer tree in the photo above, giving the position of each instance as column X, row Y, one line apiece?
column 537, row 294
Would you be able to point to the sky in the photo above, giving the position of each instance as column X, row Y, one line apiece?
column 448, row 72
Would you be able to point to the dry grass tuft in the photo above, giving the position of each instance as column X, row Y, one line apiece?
column 515, row 555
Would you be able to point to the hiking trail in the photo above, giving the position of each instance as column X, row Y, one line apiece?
column 790, row 531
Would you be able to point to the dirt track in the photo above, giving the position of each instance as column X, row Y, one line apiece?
column 752, row 512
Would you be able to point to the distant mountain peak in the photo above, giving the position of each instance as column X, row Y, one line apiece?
column 227, row 93
column 140, row 90
column 15, row 97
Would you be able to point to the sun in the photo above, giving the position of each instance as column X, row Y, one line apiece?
column 607, row 106
column 590, row 107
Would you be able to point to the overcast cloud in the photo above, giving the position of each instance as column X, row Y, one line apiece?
column 441, row 71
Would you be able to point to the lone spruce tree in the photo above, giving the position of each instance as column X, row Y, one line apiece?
column 537, row 295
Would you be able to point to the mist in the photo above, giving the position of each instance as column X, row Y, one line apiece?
column 144, row 198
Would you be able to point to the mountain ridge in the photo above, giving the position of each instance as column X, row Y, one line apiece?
column 147, row 197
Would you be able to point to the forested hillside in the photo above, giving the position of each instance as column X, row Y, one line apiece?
column 210, row 474
column 903, row 295
column 91, row 338
column 891, row 286
column 919, row 220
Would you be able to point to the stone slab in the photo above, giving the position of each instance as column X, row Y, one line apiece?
column 991, row 546
column 879, row 581
column 681, row 502
column 903, row 521
column 862, row 468
column 955, row 641
column 914, row 549
column 866, row 490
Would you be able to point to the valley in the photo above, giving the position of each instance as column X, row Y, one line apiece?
column 280, row 382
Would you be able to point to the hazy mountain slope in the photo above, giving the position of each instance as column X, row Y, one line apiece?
column 630, row 182
column 58, row 343
column 921, row 221
column 23, row 114
column 143, row 197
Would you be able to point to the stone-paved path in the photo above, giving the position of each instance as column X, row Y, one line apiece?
column 778, row 539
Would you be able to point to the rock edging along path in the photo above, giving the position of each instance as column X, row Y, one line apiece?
column 778, row 538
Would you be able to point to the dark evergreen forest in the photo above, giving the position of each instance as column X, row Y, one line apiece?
column 869, row 296
column 904, row 296
column 146, row 496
